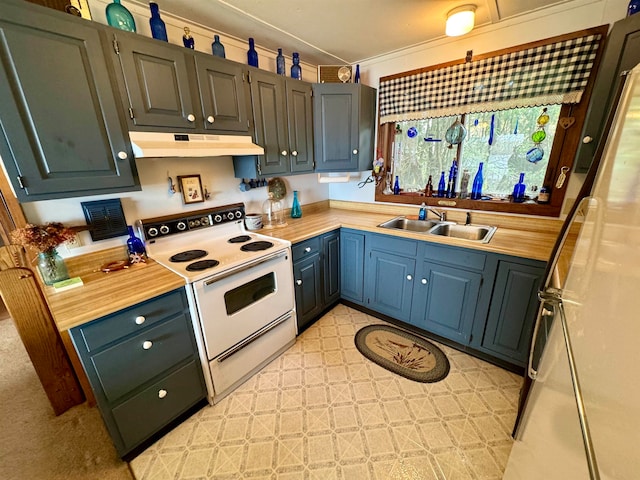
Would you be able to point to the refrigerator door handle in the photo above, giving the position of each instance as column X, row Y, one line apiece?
column 542, row 312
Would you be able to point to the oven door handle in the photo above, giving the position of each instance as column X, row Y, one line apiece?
column 244, row 267
column 253, row 337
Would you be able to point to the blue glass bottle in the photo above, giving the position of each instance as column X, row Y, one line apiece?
column 356, row 78
column 252, row 55
column 296, row 70
column 396, row 186
column 187, row 39
column 280, row 70
column 296, row 211
column 518, row 190
column 158, row 28
column 442, row 187
column 476, row 189
column 422, row 214
column 135, row 246
column 217, row 48
column 119, row 17
column 634, row 6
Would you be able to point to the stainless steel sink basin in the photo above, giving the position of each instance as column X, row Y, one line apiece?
column 475, row 233
column 403, row 223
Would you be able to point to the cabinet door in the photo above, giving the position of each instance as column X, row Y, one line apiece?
column 157, row 83
column 62, row 134
column 512, row 311
column 336, row 126
column 300, row 125
column 445, row 300
column 352, row 266
column 224, row 105
column 308, row 289
column 390, row 284
column 331, row 268
column 268, row 102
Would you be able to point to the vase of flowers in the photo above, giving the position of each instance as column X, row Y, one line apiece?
column 44, row 239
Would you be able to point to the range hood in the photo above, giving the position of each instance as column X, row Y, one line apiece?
column 158, row 145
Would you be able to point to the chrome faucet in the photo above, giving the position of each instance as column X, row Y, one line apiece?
column 442, row 216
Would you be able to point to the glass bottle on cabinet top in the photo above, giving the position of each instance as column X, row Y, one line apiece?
column 158, row 28
column 296, row 210
column 252, row 55
column 633, row 7
column 119, row 17
column 217, row 48
column 187, row 39
column 356, row 78
column 296, row 70
column 476, row 189
column 280, row 63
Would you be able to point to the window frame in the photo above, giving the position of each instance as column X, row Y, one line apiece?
column 562, row 153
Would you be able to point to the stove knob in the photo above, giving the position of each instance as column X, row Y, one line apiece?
column 204, row 220
column 196, row 223
column 230, row 216
column 164, row 229
column 217, row 218
column 152, row 232
column 181, row 226
column 238, row 214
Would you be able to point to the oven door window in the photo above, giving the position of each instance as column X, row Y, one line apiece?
column 249, row 293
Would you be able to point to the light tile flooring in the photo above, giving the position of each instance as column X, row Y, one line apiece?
column 322, row 411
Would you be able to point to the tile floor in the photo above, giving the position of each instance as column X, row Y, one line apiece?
column 323, row 411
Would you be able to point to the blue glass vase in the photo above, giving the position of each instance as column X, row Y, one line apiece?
column 296, row 211
column 217, row 48
column 356, row 78
column 280, row 63
column 296, row 70
column 518, row 190
column 252, row 55
column 119, row 17
column 476, row 189
column 158, row 28
column 135, row 247
column 634, row 6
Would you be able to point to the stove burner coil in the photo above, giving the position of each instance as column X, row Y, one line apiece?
column 187, row 256
column 239, row 239
column 202, row 265
column 256, row 246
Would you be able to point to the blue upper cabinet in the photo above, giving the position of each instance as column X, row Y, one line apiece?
column 62, row 132
column 344, row 126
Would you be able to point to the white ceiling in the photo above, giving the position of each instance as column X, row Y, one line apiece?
column 328, row 32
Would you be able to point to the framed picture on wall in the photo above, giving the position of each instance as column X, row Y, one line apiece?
column 191, row 188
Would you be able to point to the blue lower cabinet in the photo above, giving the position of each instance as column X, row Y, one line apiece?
column 143, row 366
column 307, row 280
column 352, row 266
column 389, row 284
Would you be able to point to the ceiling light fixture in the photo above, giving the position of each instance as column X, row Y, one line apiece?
column 460, row 20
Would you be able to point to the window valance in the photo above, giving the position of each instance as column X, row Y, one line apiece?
column 553, row 73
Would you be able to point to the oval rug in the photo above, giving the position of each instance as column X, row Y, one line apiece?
column 403, row 353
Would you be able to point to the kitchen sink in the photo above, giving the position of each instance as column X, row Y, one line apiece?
column 476, row 233
column 404, row 223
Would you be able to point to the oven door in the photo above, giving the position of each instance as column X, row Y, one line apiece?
column 235, row 304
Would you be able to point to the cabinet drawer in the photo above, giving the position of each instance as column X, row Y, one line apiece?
column 306, row 248
column 108, row 329
column 128, row 365
column 455, row 256
column 145, row 413
column 387, row 243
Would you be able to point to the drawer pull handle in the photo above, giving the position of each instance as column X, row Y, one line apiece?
column 140, row 320
column 284, row 153
column 294, row 153
column 409, row 277
column 424, row 281
column 162, row 393
column 147, row 344
column 355, row 151
column 307, row 250
column 298, row 282
column 191, row 117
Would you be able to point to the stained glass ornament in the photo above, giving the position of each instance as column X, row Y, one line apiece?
column 412, row 132
column 455, row 134
column 538, row 136
column 491, row 129
column 544, row 118
column 535, row 154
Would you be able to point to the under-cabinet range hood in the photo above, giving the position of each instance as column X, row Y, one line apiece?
column 158, row 145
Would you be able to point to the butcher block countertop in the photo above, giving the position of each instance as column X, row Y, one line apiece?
column 106, row 293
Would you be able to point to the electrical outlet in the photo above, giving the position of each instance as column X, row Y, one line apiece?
column 74, row 242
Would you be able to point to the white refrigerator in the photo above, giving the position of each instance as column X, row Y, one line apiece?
column 581, row 418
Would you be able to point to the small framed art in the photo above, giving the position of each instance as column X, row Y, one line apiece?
column 191, row 188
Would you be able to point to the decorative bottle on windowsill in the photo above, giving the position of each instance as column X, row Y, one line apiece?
column 252, row 55
column 158, row 28
column 296, row 70
column 519, row 189
column 476, row 189
column 217, row 48
column 442, row 188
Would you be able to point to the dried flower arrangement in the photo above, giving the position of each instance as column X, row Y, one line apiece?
column 43, row 238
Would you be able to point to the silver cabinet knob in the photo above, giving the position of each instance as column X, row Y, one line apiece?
column 284, row 153
column 162, row 393
column 140, row 320
column 409, row 277
column 423, row 281
column 298, row 282
column 147, row 344
column 210, row 119
column 122, row 155
column 587, row 139
column 308, row 249
column 294, row 153
column 355, row 151
column 191, row 117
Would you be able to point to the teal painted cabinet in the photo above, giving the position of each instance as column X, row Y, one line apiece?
column 352, row 265
column 331, row 267
column 143, row 366
column 62, row 134
column 344, row 126
column 513, row 309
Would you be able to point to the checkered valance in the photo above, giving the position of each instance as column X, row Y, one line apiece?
column 555, row 73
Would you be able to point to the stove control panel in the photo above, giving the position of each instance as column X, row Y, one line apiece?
column 175, row 224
